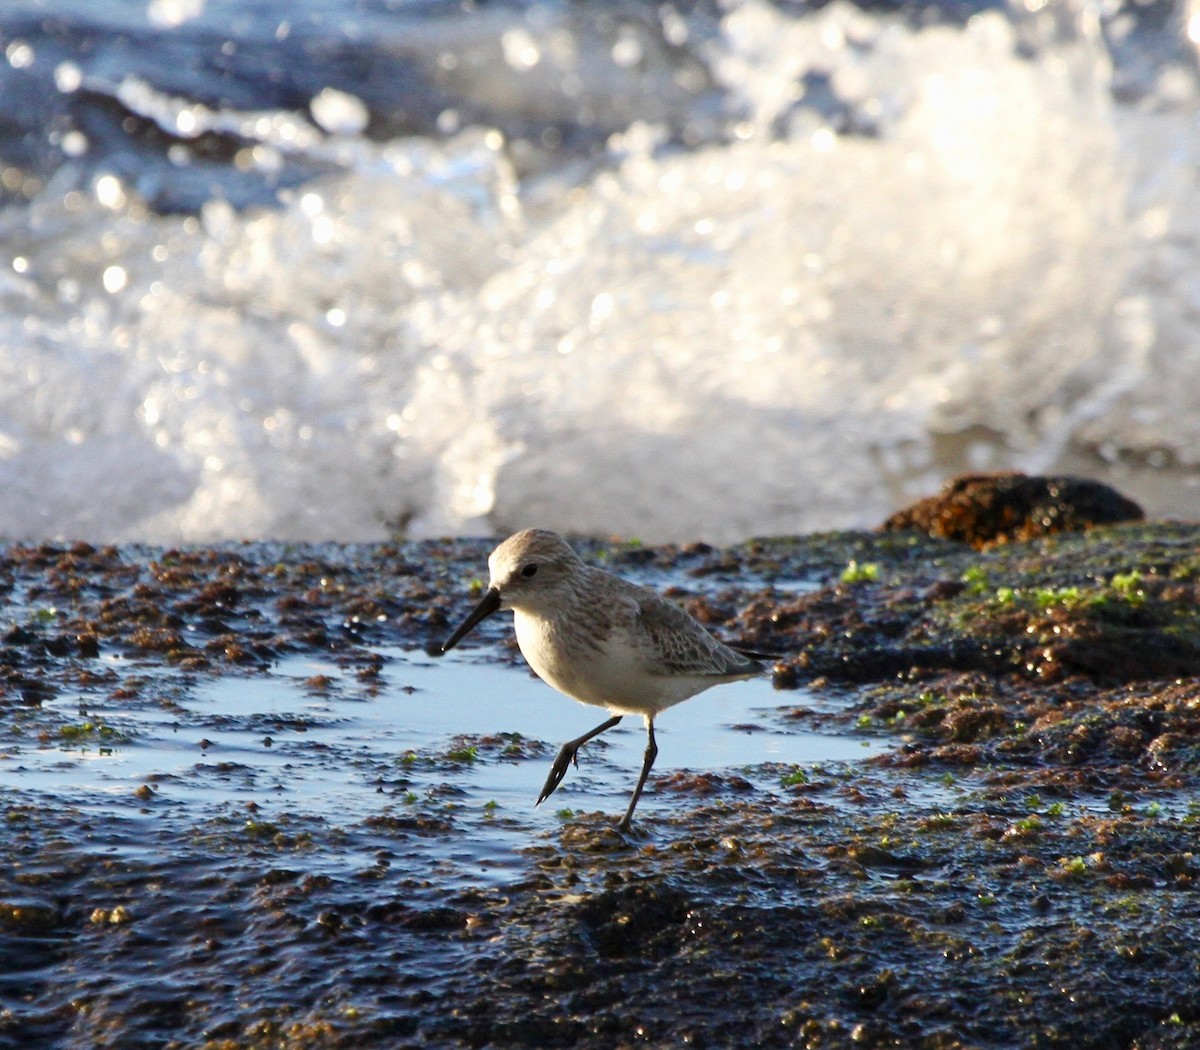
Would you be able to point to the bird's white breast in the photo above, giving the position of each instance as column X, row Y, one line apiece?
column 611, row 672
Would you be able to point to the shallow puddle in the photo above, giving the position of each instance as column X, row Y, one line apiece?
column 729, row 729
column 310, row 737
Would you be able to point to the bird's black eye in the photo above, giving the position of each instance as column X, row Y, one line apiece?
column 529, row 569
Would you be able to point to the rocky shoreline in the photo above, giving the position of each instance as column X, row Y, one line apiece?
column 1017, row 869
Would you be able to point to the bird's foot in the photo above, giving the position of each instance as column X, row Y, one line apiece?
column 568, row 755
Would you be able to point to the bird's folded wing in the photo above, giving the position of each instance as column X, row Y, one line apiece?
column 682, row 646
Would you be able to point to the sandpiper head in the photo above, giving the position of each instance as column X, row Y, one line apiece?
column 529, row 570
column 530, row 566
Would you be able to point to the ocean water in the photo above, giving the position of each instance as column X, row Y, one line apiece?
column 342, row 269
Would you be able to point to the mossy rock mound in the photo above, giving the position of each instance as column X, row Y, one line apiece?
column 986, row 509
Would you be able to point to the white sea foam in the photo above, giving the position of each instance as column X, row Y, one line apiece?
column 796, row 329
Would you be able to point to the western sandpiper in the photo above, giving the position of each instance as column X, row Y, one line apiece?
column 600, row 640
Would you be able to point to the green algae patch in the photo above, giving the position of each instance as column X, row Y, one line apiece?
column 93, row 731
column 1117, row 628
column 1116, row 604
column 471, row 749
column 1072, row 649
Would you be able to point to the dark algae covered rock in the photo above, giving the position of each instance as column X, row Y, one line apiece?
column 985, row 509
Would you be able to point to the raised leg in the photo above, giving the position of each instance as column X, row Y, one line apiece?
column 647, row 762
column 567, row 755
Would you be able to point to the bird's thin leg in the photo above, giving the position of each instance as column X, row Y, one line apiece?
column 568, row 755
column 647, row 762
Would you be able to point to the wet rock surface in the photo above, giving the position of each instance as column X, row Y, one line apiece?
column 1018, row 868
column 986, row 509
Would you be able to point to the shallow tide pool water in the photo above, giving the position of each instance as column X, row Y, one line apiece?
column 462, row 737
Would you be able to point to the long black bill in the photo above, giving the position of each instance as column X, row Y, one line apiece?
column 488, row 605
